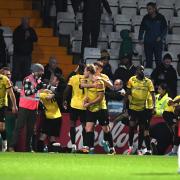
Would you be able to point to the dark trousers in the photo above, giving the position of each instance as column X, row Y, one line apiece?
column 26, row 118
column 46, row 11
column 21, row 67
column 150, row 49
column 90, row 36
column 3, row 59
column 61, row 5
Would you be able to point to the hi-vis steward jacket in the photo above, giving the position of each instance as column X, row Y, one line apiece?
column 30, row 102
column 161, row 104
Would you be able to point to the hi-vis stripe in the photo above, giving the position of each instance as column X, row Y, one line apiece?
column 30, row 98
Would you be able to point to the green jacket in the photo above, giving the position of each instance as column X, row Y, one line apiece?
column 126, row 48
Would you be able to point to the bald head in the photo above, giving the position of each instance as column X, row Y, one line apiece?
column 118, row 84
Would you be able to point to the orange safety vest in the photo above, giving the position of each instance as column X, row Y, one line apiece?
column 29, row 102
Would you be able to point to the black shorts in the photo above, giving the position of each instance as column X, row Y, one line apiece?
column 51, row 127
column 169, row 118
column 77, row 113
column 140, row 117
column 101, row 116
column 149, row 115
column 2, row 114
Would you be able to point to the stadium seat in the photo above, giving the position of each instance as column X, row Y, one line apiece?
column 114, row 40
column 114, row 6
column 142, row 6
column 138, row 49
column 69, row 7
column 65, row 22
column 136, row 62
column 177, row 7
column 128, row 7
column 75, row 41
column 136, row 22
column 7, row 31
column 166, row 7
column 175, row 25
column 79, row 21
column 102, row 41
column 122, row 22
column 91, row 54
column 106, row 23
column 148, row 71
column 114, row 54
column 173, row 43
column 114, row 64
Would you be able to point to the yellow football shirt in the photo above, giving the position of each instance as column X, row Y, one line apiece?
column 172, row 108
column 139, row 92
column 92, row 94
column 149, row 101
column 52, row 110
column 78, row 94
column 106, row 78
column 4, row 85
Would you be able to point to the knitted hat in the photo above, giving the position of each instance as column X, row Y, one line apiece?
column 37, row 67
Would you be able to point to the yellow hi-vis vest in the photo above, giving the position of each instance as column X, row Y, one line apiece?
column 161, row 104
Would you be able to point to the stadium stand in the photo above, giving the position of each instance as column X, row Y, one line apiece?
column 91, row 54
column 177, row 8
column 106, row 24
column 114, row 5
column 127, row 14
column 47, row 45
column 128, row 7
column 65, row 22
column 175, row 25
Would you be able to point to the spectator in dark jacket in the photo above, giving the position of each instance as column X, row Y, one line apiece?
column 23, row 38
column 2, row 50
column 61, row 86
column 105, row 56
column 155, row 27
column 50, row 69
column 125, row 70
column 91, row 20
column 165, row 73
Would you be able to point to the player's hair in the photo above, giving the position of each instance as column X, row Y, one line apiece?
column 152, row 4
column 81, row 68
column 167, row 56
column 99, row 64
column 6, row 69
column 164, row 86
column 91, row 68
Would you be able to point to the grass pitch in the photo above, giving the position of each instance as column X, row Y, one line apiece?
column 45, row 166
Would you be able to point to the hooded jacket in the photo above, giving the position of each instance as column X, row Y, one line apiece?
column 126, row 48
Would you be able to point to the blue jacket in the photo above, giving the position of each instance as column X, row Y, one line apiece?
column 153, row 28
